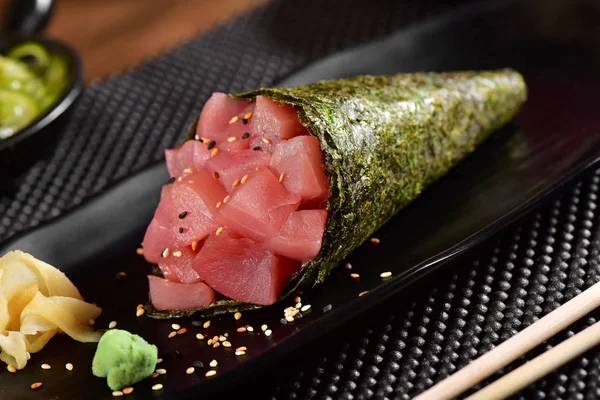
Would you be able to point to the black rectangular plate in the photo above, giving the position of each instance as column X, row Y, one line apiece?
column 555, row 44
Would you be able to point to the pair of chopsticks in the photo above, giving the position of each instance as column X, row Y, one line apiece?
column 520, row 344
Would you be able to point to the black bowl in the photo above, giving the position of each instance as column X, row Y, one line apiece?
column 37, row 140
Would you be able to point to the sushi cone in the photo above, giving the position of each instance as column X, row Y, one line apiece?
column 384, row 140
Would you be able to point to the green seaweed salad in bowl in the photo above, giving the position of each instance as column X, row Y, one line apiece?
column 40, row 79
column 31, row 80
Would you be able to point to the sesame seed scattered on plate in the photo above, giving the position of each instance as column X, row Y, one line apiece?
column 385, row 274
column 268, row 332
column 158, row 386
column 249, row 328
column 206, row 324
column 213, row 363
column 241, row 329
column 210, row 373
column 128, row 390
column 139, row 312
column 305, row 307
column 113, row 324
column 172, row 335
column 226, row 343
column 117, row 393
column 375, row 240
column 354, row 275
column 11, row 368
column 69, row 366
column 200, row 336
column 190, row 370
column 161, row 371
column 182, row 331
column 36, row 385
column 46, row 366
column 240, row 353
column 237, row 315
column 263, row 327
column 362, row 293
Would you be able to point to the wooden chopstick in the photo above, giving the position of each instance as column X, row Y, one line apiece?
column 540, row 366
column 515, row 346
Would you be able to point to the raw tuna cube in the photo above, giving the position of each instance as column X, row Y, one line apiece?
column 179, row 269
column 233, row 165
column 243, row 270
column 166, row 295
column 184, row 214
column 301, row 161
column 275, row 122
column 190, row 154
column 223, row 118
column 300, row 236
column 258, row 208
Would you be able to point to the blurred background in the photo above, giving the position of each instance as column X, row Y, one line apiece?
column 111, row 35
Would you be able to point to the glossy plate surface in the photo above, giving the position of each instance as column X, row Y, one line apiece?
column 555, row 138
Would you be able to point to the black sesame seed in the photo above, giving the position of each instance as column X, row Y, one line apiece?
column 181, row 230
column 216, row 175
column 327, row 308
column 244, row 121
column 211, row 144
column 198, row 364
column 172, row 180
column 197, row 324
column 246, row 135
column 200, row 140
column 162, row 253
column 256, row 148
column 182, row 215
column 283, row 321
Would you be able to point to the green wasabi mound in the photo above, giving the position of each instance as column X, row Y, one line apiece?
column 123, row 358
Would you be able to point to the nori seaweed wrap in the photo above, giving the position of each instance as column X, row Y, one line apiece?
column 385, row 139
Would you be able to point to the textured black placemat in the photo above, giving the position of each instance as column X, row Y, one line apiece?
column 124, row 123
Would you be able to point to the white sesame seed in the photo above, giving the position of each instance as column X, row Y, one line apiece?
column 206, row 324
column 213, row 363
column 69, row 366
column 200, row 336
column 305, row 308
column 158, row 386
column 215, row 345
column 194, row 245
column 354, row 275
column 210, row 373
column 289, row 318
column 182, row 331
column 219, row 204
column 128, row 390
column 234, row 120
column 159, row 360
column 268, row 332
column 11, row 368
column 235, row 183
column 161, row 371
column 222, row 338
column 139, row 312
column 385, row 274
column 214, row 152
column 297, row 299
column 139, row 250
column 117, row 393
column 165, row 253
column 112, row 324
column 248, row 115
column 231, row 139
column 265, row 140
column 226, row 344
column 220, row 230
column 281, row 177
column 298, row 305
column 226, row 199
column 190, row 370
column 36, row 385
column 209, row 342
column 175, row 326
column 46, row 366
column 361, row 294
column 177, row 253
column 241, row 329
column 237, row 315
column 241, row 348
column 172, row 335
column 240, row 353
column 244, row 179
column 249, row 328
column 263, row 327
column 375, row 240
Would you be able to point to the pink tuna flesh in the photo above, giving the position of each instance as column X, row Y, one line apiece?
column 190, row 154
column 257, row 208
column 233, row 165
column 274, row 122
column 243, row 270
column 222, row 120
column 177, row 265
column 300, row 236
column 300, row 160
column 167, row 295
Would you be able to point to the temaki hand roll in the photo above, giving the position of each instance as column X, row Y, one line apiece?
column 275, row 187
